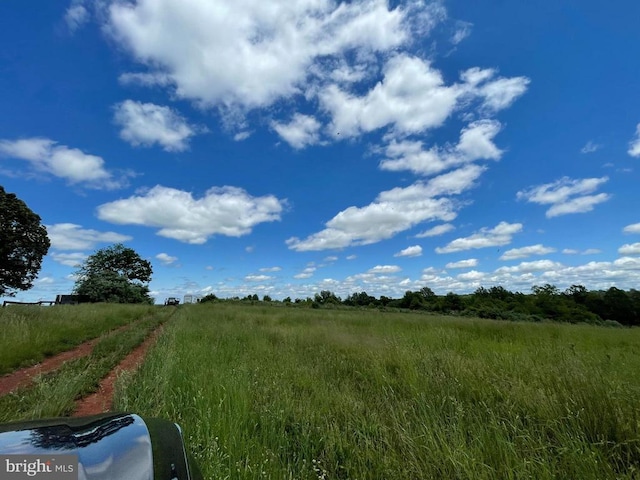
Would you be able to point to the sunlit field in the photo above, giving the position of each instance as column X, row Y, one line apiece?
column 54, row 394
column 28, row 334
column 289, row 393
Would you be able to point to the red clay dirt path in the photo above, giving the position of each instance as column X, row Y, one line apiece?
column 24, row 376
column 102, row 400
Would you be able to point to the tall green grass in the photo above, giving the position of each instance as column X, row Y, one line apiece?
column 28, row 334
column 305, row 394
column 54, row 394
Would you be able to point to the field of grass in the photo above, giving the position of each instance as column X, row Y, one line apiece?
column 28, row 334
column 54, row 394
column 287, row 393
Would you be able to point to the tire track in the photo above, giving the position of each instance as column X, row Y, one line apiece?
column 25, row 376
column 102, row 400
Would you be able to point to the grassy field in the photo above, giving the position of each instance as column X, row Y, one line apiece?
column 28, row 334
column 54, row 394
column 286, row 393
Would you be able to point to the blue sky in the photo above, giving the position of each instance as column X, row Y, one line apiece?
column 284, row 148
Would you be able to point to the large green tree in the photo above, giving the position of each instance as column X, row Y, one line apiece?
column 23, row 243
column 115, row 274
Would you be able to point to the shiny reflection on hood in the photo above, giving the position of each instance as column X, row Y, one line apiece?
column 113, row 448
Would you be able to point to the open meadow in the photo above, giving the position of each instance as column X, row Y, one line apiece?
column 291, row 393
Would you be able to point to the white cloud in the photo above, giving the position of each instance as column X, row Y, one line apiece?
column 393, row 211
column 240, row 136
column 303, row 130
column 471, row 262
column 629, row 249
column 71, row 164
column 352, row 257
column 590, row 147
column 472, row 276
column 633, row 228
column 588, row 251
column 330, row 258
column 436, row 231
column 76, row 15
column 275, row 44
column 166, row 259
column 257, row 278
column 463, row 30
column 501, row 93
column 566, row 195
column 412, row 98
column 501, row 234
column 634, row 145
column 270, row 269
column 476, row 142
column 69, row 259
column 413, row 251
column 69, row 236
column 306, row 273
column 384, row 269
column 229, row 211
column 535, row 266
column 146, row 124
column 525, row 252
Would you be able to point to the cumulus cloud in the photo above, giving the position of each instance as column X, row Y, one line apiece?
column 412, row 98
column 257, row 278
column 566, row 195
column 476, row 142
column 166, row 259
column 384, row 269
column 472, row 276
column 275, row 44
column 501, row 234
column 413, row 251
column 69, row 259
column 228, row 211
column 535, row 266
column 629, row 249
column 303, row 130
column 69, row 236
column 633, row 228
column 271, row 269
column 146, row 124
column 471, row 262
column 525, row 252
column 437, row 230
column 73, row 165
column 306, row 273
column 634, row 145
column 393, row 211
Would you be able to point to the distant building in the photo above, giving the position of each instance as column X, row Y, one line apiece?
column 192, row 298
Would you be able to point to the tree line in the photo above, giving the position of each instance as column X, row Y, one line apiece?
column 576, row 304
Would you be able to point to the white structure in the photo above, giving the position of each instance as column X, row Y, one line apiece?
column 192, row 299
